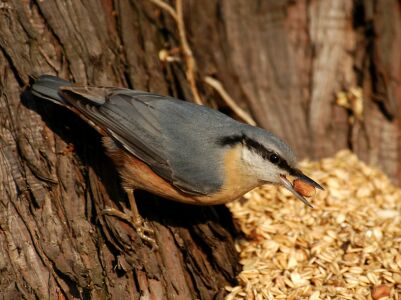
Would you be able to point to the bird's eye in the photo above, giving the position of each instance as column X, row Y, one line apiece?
column 274, row 158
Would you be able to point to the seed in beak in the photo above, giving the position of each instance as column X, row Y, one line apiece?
column 303, row 188
column 287, row 184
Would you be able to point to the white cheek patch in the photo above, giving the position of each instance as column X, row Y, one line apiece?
column 250, row 158
column 257, row 166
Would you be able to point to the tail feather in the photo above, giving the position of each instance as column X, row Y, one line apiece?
column 47, row 87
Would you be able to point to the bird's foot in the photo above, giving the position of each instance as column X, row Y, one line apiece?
column 141, row 227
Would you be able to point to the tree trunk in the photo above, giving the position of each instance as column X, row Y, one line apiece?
column 322, row 74
column 291, row 62
column 56, row 179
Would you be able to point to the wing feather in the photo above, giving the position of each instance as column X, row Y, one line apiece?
column 167, row 134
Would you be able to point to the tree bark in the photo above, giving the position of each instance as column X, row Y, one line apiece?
column 324, row 75
column 287, row 61
column 56, row 179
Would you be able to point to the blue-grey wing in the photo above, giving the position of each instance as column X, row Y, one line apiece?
column 191, row 133
column 168, row 134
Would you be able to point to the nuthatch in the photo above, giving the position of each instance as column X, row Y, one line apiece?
column 175, row 149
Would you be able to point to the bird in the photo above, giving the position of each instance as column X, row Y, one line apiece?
column 175, row 149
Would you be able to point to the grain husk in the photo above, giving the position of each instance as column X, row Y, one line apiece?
column 344, row 248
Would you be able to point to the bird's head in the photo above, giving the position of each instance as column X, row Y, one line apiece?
column 268, row 159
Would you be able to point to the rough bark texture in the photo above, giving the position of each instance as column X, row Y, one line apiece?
column 285, row 61
column 55, row 178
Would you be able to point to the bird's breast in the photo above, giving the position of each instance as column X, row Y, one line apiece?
column 138, row 175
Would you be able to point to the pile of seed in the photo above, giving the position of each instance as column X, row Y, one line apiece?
column 347, row 247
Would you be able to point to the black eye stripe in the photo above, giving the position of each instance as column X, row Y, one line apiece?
column 257, row 147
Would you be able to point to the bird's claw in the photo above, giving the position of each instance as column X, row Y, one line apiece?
column 141, row 227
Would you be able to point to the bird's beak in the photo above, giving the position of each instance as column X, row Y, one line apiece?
column 299, row 175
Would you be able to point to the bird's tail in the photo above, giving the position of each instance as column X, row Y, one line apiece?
column 47, row 87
